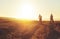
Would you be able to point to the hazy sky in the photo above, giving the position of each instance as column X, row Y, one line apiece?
column 10, row 8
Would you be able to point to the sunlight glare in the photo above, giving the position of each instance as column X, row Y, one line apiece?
column 27, row 12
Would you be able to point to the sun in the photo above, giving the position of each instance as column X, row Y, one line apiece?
column 26, row 11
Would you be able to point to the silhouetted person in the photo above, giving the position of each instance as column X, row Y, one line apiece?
column 40, row 19
column 51, row 19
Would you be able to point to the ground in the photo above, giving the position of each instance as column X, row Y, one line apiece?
column 11, row 28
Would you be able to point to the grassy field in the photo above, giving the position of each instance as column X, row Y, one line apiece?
column 11, row 28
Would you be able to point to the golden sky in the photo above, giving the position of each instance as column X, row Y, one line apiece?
column 30, row 8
